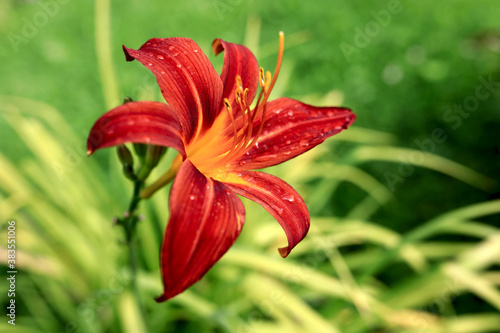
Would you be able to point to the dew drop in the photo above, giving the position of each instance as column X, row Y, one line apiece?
column 170, row 48
column 290, row 113
column 286, row 153
column 195, row 51
column 278, row 210
column 179, row 65
column 192, row 197
column 303, row 143
column 150, row 64
column 158, row 56
column 242, row 163
column 288, row 197
column 288, row 142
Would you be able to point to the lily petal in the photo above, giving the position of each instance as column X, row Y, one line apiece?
column 238, row 61
column 278, row 198
column 206, row 217
column 188, row 81
column 138, row 122
column 290, row 129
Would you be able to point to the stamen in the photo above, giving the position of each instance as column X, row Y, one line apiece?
column 239, row 82
column 230, row 112
column 268, row 81
column 244, row 139
column 262, row 79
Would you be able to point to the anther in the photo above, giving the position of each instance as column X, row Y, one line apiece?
column 268, row 81
column 239, row 83
column 227, row 105
column 238, row 96
column 262, row 80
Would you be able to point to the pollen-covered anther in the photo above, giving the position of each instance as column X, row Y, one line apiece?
column 262, row 78
column 267, row 81
column 239, row 82
column 228, row 106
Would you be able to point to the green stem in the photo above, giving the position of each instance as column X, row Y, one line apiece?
column 129, row 223
column 164, row 179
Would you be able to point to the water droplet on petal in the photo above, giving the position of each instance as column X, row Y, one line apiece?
column 150, row 64
column 303, row 143
column 278, row 210
column 195, row 50
column 290, row 113
column 192, row 197
column 170, row 48
column 158, row 56
column 179, row 65
column 242, row 163
column 288, row 197
column 288, row 142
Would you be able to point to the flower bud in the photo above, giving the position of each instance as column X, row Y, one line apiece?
column 140, row 149
column 127, row 161
column 153, row 156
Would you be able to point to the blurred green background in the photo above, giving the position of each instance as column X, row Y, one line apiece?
column 405, row 205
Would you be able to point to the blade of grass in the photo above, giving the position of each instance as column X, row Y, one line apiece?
column 429, row 161
column 104, row 55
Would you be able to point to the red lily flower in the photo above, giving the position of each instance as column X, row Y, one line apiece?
column 220, row 140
